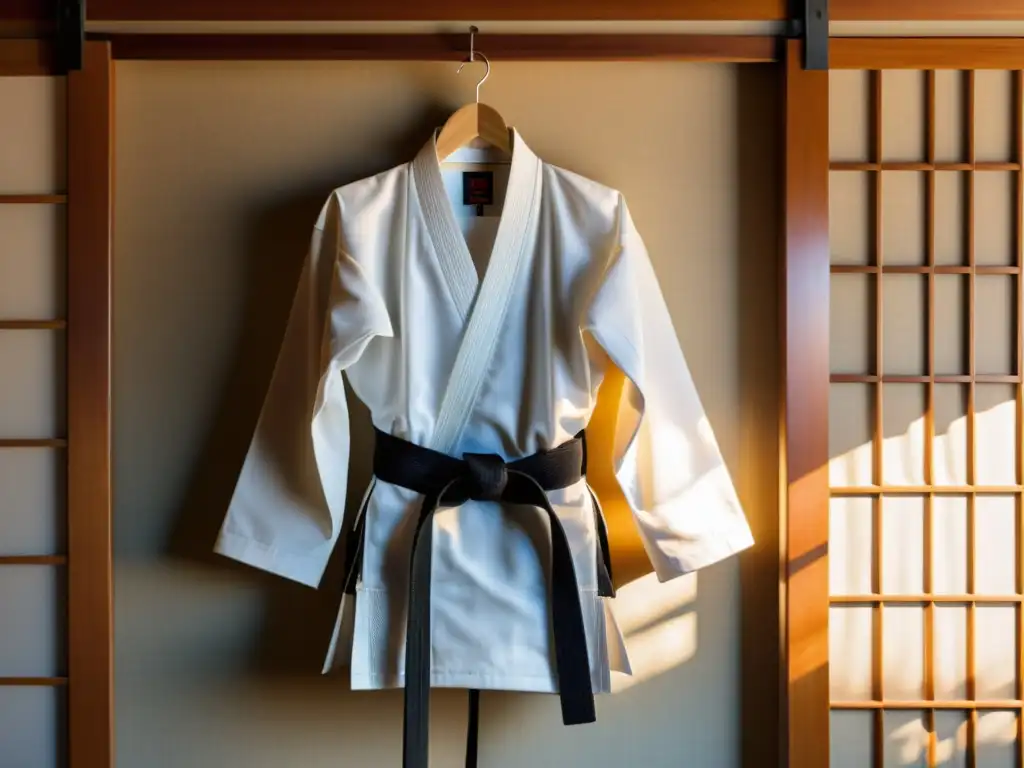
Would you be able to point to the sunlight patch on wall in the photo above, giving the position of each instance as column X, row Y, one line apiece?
column 659, row 624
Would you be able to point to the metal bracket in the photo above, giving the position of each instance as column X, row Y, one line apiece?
column 809, row 23
column 70, row 34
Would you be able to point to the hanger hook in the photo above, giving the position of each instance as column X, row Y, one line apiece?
column 473, row 54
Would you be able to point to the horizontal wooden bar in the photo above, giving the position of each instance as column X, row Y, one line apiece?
column 26, row 58
column 33, row 560
column 845, row 165
column 32, row 325
column 32, row 442
column 50, row 682
column 927, row 52
column 925, row 10
column 525, row 47
column 437, row 10
column 923, row 269
column 925, row 599
column 953, row 378
column 924, row 490
column 21, row 199
column 525, row 10
column 930, row 704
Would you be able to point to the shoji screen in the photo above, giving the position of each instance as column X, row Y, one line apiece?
column 56, row 167
column 33, row 597
column 925, row 448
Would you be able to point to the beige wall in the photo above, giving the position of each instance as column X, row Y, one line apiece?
column 221, row 169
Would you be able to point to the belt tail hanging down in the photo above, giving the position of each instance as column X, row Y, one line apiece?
column 444, row 480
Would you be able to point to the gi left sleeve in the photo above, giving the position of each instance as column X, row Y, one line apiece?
column 666, row 458
column 286, row 511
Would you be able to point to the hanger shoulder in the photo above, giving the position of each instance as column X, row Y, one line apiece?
column 492, row 128
column 470, row 122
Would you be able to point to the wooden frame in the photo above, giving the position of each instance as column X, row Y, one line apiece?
column 88, row 327
column 88, row 203
column 529, row 10
column 812, row 712
column 802, row 692
column 90, row 251
column 563, row 47
column 26, row 58
column 804, row 433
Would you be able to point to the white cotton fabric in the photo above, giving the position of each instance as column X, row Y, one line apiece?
column 391, row 297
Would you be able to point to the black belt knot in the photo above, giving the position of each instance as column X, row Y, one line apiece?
column 487, row 476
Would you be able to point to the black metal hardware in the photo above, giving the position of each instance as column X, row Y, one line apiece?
column 809, row 23
column 70, row 34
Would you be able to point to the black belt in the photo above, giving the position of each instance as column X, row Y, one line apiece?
column 447, row 481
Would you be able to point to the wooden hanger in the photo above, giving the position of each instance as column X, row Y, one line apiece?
column 474, row 121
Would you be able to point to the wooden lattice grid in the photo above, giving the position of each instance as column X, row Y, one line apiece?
column 880, row 490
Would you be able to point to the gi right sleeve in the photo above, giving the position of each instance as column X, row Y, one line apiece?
column 285, row 514
column 666, row 458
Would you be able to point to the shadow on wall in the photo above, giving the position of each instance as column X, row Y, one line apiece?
column 279, row 240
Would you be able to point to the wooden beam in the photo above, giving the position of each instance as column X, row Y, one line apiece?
column 437, row 10
column 23, row 58
column 804, row 408
column 40, row 682
column 6, row 560
column 926, row 10
column 563, row 47
column 90, row 231
column 38, row 14
column 927, row 52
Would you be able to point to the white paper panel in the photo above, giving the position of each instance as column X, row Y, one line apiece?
column 951, row 324
column 852, row 326
column 949, row 449
column 903, row 220
column 950, row 217
column 995, row 331
column 851, row 739
column 903, row 428
column 31, row 727
column 32, row 519
column 903, row 115
column 949, row 545
column 950, row 739
column 849, row 436
column 851, row 550
column 950, row 645
column 995, row 434
column 849, row 114
column 849, row 226
column 31, row 388
column 950, row 111
column 903, row 545
column 906, row 739
column 903, row 651
column 32, row 139
column 904, row 320
column 993, row 116
column 995, row 540
column 850, row 653
column 32, row 261
column 997, row 739
column 994, row 193
column 31, row 598
column 995, row 664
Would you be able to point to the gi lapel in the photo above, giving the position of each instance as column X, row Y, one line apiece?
column 482, row 304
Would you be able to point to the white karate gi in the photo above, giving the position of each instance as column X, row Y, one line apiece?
column 390, row 296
